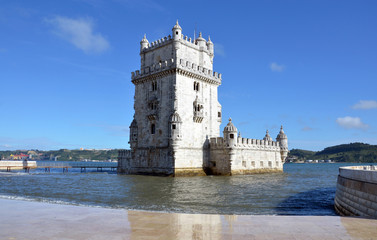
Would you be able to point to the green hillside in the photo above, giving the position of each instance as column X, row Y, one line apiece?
column 352, row 152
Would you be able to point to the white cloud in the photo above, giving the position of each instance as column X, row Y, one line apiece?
column 276, row 67
column 80, row 33
column 351, row 122
column 219, row 49
column 365, row 104
column 307, row 129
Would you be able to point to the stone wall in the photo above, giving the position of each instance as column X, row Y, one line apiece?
column 246, row 156
column 356, row 191
column 153, row 161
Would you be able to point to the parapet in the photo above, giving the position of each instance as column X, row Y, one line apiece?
column 158, row 43
column 189, row 67
column 188, row 41
column 246, row 143
column 204, row 72
column 156, row 67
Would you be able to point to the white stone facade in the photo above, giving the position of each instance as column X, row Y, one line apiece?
column 176, row 126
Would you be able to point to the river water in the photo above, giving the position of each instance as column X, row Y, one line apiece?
column 303, row 189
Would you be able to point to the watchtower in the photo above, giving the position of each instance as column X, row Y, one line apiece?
column 176, row 105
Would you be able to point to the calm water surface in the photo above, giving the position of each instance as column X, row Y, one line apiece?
column 303, row 189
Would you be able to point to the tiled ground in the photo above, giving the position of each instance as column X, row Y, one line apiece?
column 34, row 220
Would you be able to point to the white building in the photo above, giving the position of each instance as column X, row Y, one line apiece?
column 176, row 126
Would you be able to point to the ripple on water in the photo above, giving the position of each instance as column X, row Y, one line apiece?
column 303, row 189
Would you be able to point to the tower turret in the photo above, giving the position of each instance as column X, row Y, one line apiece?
column 283, row 141
column 210, row 46
column 177, row 32
column 133, row 134
column 230, row 134
column 144, row 43
column 175, row 128
column 200, row 41
column 267, row 137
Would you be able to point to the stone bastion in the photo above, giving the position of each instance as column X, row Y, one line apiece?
column 356, row 191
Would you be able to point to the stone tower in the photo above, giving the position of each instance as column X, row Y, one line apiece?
column 283, row 141
column 176, row 106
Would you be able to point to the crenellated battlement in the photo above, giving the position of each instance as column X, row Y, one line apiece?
column 158, row 43
column 184, row 64
column 154, row 68
column 180, row 64
column 248, row 143
column 188, row 41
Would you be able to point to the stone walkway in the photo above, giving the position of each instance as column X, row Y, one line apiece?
column 35, row 220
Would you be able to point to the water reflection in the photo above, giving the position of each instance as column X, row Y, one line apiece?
column 174, row 226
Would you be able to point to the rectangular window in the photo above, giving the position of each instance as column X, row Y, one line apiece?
column 269, row 164
column 231, row 136
column 218, row 114
column 261, row 163
column 253, row 163
column 173, row 126
column 243, row 163
column 153, row 129
column 277, row 163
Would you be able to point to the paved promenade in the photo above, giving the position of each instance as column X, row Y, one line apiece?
column 35, row 220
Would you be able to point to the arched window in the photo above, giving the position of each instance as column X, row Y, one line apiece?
column 153, row 128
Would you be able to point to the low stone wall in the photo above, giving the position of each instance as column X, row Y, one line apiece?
column 12, row 165
column 356, row 191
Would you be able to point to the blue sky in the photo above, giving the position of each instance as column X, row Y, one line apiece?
column 65, row 68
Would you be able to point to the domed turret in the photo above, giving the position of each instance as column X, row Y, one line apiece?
column 210, row 46
column 144, row 43
column 283, row 142
column 175, row 127
column 267, row 137
column 200, row 41
column 177, row 31
column 281, row 135
column 230, row 134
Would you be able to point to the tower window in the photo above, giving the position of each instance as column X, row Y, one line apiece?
column 231, row 136
column 153, row 128
column 218, row 114
column 173, row 126
column 196, row 86
column 152, row 105
column 176, row 33
column 154, row 86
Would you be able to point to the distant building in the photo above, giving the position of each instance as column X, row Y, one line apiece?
column 20, row 156
column 176, row 126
